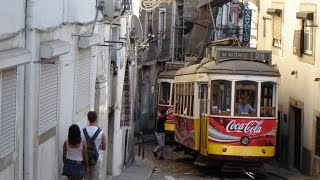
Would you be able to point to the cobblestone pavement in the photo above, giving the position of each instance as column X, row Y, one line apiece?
column 179, row 166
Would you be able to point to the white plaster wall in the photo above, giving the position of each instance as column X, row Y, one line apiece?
column 47, row 160
column 67, row 66
column 302, row 87
column 8, row 173
column 12, row 16
column 49, row 13
column 80, row 12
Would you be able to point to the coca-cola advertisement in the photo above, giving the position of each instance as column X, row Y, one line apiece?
column 184, row 131
column 261, row 132
column 170, row 115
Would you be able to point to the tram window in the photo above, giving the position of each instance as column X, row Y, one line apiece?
column 178, row 100
column 246, row 98
column 164, row 93
column 221, row 97
column 172, row 95
column 184, row 99
column 268, row 99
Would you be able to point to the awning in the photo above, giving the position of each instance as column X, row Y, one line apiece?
column 274, row 11
column 54, row 48
column 305, row 15
column 86, row 42
column 204, row 5
column 14, row 57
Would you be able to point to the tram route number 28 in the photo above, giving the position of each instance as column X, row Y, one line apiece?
column 259, row 56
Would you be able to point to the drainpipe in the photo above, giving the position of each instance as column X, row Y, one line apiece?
column 30, row 34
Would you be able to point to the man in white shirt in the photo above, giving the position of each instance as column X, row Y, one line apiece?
column 100, row 142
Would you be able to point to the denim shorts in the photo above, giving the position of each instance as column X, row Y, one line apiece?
column 74, row 169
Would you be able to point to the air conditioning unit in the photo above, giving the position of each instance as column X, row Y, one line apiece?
column 110, row 8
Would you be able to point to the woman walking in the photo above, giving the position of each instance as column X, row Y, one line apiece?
column 75, row 160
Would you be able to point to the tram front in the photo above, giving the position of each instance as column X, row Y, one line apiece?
column 241, row 119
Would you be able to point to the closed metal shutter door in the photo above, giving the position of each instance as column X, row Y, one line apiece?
column 8, row 111
column 83, row 79
column 277, row 27
column 48, row 97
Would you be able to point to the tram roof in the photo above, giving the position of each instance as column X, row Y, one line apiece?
column 167, row 74
column 192, row 69
column 239, row 67
column 236, row 67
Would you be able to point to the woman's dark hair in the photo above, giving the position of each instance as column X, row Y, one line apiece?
column 74, row 136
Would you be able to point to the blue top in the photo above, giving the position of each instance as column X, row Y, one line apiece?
column 245, row 109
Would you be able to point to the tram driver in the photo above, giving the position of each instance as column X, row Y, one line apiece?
column 244, row 107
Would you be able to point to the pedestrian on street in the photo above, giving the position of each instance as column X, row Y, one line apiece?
column 75, row 160
column 160, row 134
column 96, row 141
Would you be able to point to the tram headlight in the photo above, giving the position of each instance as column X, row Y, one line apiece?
column 245, row 140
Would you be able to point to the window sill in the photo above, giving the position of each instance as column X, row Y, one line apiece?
column 307, row 58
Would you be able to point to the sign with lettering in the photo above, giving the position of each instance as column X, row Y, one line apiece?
column 243, row 54
column 173, row 66
column 246, row 25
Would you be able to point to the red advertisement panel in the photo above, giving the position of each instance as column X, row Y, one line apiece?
column 170, row 115
column 261, row 132
column 184, row 131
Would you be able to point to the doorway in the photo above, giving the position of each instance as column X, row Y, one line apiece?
column 297, row 126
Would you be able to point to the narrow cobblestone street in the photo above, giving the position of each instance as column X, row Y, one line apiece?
column 179, row 166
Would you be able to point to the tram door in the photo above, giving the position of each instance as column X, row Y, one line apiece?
column 203, row 96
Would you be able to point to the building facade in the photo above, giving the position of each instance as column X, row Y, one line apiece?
column 289, row 29
column 55, row 66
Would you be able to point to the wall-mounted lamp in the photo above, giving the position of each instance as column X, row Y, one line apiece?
column 294, row 72
column 317, row 79
column 274, row 65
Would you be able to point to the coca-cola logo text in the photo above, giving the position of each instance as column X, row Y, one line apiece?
column 250, row 127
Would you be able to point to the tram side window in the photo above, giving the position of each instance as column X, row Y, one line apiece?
column 246, row 93
column 178, row 100
column 164, row 93
column 221, row 97
column 184, row 99
column 268, row 99
column 173, row 94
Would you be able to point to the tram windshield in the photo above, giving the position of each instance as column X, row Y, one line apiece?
column 268, row 99
column 221, row 97
column 246, row 93
column 164, row 95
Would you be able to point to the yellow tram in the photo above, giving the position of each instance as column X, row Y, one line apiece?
column 226, row 108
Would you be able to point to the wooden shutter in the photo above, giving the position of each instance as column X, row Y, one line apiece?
column 277, row 27
column 8, row 111
column 83, row 68
column 48, row 97
column 297, row 43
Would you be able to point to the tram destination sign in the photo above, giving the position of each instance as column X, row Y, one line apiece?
column 248, row 54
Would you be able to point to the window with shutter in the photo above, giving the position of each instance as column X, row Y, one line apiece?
column 277, row 24
column 48, row 97
column 83, row 67
column 8, row 111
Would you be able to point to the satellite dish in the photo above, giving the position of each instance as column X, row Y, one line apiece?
column 108, row 9
column 135, row 28
column 134, row 33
